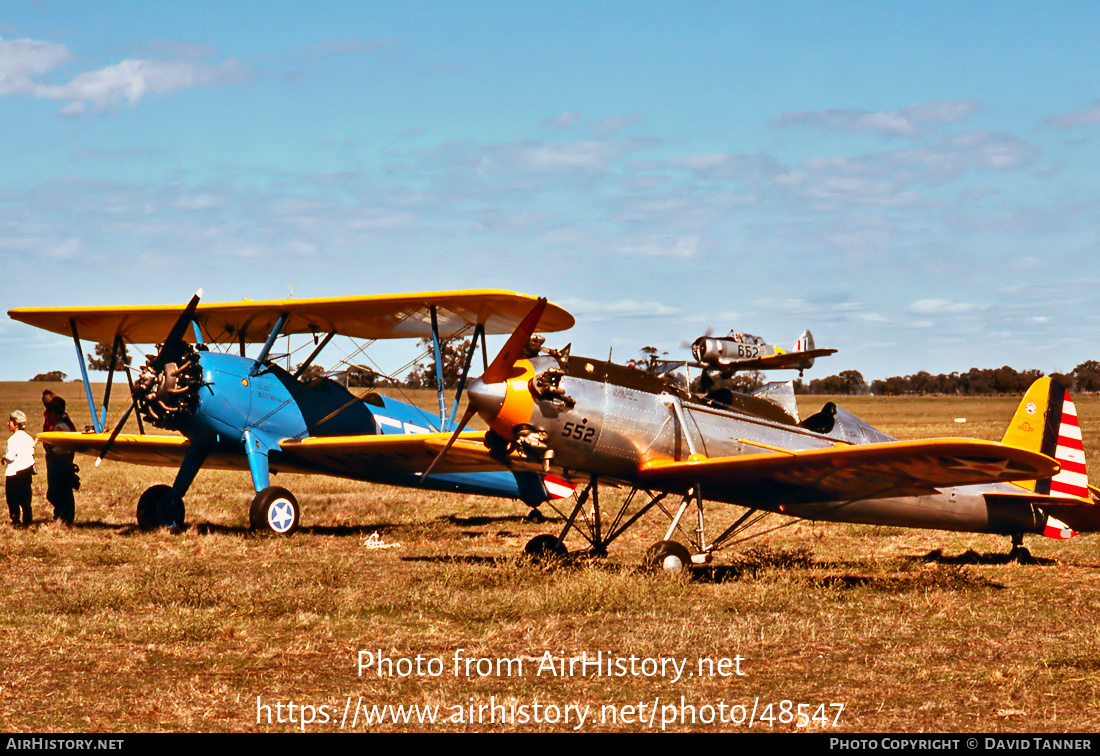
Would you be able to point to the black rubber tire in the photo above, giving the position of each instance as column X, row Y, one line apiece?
column 545, row 547
column 668, row 556
column 151, row 512
column 275, row 510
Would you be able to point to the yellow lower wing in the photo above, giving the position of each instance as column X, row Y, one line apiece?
column 843, row 473
column 411, row 453
column 364, row 457
column 162, row 451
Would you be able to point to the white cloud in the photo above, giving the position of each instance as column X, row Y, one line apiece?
column 202, row 201
column 943, row 307
column 905, row 122
column 127, row 82
column 663, row 246
column 121, row 84
column 623, row 308
column 564, row 121
column 609, row 126
column 1089, row 116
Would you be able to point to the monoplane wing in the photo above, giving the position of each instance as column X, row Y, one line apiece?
column 391, row 316
column 849, row 473
column 398, row 453
column 778, row 361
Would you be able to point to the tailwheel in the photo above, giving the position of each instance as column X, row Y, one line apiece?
column 275, row 510
column 668, row 556
column 1020, row 553
column 545, row 547
column 157, row 507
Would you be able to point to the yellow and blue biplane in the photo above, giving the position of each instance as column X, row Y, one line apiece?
column 240, row 412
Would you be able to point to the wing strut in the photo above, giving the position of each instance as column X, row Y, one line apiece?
column 438, row 351
column 115, row 348
column 479, row 331
column 313, row 355
column 258, row 365
column 96, row 422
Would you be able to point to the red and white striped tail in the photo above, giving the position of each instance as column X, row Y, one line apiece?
column 1072, row 479
column 558, row 488
column 1057, row 529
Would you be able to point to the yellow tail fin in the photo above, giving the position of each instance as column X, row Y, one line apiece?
column 1046, row 422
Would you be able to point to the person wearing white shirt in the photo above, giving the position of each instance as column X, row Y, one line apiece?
column 19, row 459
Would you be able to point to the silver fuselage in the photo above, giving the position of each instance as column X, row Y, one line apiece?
column 617, row 419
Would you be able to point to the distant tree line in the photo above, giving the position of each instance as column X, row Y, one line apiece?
column 975, row 382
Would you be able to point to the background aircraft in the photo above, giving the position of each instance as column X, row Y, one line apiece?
column 596, row 420
column 743, row 351
column 239, row 412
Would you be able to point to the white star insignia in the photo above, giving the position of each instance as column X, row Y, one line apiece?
column 281, row 516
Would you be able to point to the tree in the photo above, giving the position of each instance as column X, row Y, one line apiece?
column 454, row 359
column 648, row 361
column 1086, row 376
column 101, row 360
column 745, row 383
column 848, row 382
column 53, row 375
column 361, row 376
column 311, row 373
column 852, row 382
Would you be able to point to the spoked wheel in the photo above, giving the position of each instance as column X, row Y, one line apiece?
column 275, row 510
column 157, row 507
column 668, row 556
column 545, row 547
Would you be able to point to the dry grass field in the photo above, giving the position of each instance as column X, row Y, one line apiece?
column 832, row 627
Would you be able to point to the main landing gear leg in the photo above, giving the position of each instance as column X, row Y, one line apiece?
column 273, row 509
column 595, row 530
column 544, row 546
column 161, row 505
column 671, row 556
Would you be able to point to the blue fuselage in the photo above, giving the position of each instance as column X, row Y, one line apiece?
column 241, row 412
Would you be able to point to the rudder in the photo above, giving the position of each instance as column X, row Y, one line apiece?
column 1046, row 422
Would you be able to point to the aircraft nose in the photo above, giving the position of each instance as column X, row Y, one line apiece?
column 487, row 398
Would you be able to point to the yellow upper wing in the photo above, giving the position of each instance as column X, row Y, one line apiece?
column 391, row 316
column 843, row 473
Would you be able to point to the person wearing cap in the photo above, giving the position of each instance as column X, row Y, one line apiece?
column 19, row 459
column 60, row 470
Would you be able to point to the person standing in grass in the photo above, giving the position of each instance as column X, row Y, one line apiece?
column 19, row 459
column 60, row 470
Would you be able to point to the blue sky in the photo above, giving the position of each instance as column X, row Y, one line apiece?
column 915, row 182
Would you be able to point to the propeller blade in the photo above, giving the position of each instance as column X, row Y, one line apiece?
column 178, row 330
column 501, row 365
column 498, row 370
column 470, row 412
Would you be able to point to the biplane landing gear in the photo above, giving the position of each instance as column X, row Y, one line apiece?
column 668, row 556
column 1019, row 552
column 157, row 507
column 546, row 546
column 275, row 510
